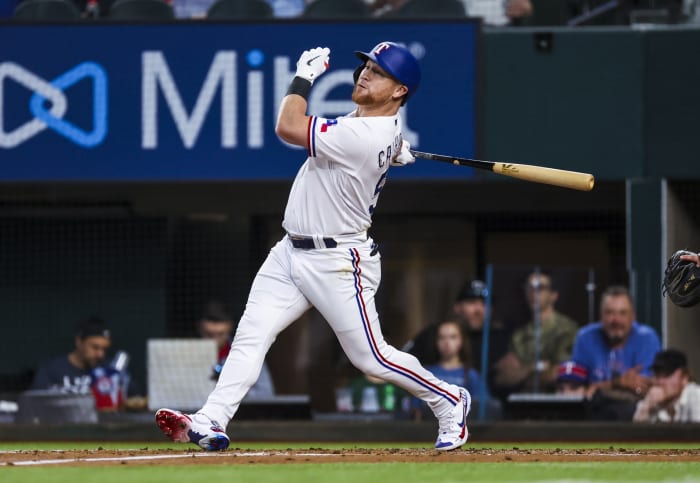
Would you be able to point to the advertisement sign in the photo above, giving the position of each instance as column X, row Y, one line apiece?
column 198, row 101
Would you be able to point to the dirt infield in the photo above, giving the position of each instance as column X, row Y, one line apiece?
column 235, row 456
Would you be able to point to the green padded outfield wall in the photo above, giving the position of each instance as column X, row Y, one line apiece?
column 620, row 103
column 569, row 99
column 672, row 103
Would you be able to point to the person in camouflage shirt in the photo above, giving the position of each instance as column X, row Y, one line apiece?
column 521, row 369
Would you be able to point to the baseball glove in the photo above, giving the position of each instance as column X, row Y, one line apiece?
column 682, row 280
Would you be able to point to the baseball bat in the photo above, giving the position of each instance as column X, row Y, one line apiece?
column 537, row 174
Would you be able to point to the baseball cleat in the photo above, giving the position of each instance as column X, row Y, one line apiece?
column 453, row 432
column 192, row 428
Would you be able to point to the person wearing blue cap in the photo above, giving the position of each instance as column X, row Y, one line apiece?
column 572, row 379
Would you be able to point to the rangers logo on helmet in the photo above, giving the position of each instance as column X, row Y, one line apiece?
column 397, row 61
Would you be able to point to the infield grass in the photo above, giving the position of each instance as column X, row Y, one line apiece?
column 365, row 473
column 506, row 471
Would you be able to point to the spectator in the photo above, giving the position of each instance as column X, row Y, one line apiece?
column 498, row 12
column 470, row 309
column 672, row 396
column 82, row 371
column 216, row 323
column 453, row 363
column 537, row 349
column 617, row 352
column 572, row 379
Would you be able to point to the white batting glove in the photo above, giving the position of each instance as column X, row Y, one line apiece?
column 404, row 157
column 312, row 63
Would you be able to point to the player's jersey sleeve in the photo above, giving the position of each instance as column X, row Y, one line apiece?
column 344, row 140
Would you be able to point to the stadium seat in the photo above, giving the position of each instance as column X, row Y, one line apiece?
column 141, row 10
column 240, row 9
column 431, row 9
column 336, row 9
column 46, row 10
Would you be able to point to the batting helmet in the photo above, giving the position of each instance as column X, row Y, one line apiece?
column 397, row 61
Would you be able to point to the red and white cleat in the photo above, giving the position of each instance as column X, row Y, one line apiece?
column 453, row 431
column 192, row 428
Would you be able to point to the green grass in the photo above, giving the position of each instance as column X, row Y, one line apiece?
column 365, row 473
column 506, row 471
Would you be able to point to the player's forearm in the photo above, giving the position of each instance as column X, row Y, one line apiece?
column 292, row 121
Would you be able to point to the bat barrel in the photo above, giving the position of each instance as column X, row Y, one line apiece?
column 540, row 174
column 527, row 172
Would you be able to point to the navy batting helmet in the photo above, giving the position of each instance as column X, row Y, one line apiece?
column 397, row 61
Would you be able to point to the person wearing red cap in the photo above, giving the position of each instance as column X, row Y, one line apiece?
column 572, row 379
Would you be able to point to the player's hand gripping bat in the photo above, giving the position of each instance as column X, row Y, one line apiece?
column 537, row 174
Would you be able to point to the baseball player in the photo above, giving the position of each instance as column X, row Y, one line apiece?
column 327, row 260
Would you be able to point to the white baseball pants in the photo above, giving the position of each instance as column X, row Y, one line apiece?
column 341, row 283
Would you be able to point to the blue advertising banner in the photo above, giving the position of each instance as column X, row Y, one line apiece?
column 198, row 101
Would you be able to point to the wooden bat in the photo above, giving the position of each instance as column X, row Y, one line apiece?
column 537, row 174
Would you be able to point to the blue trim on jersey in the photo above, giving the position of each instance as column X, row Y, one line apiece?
column 312, row 137
column 372, row 344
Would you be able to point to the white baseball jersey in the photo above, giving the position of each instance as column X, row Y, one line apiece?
column 336, row 190
column 333, row 195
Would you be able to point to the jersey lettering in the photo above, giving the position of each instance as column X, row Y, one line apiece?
column 390, row 152
column 378, row 189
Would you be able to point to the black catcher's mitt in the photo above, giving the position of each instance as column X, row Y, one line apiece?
column 682, row 280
